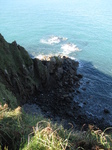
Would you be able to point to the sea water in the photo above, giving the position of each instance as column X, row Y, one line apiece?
column 80, row 29
column 87, row 24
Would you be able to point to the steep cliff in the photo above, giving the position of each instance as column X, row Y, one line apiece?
column 26, row 78
column 16, row 70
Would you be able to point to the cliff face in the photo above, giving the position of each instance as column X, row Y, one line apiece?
column 16, row 69
column 25, row 77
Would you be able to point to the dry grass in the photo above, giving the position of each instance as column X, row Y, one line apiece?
column 51, row 138
column 20, row 131
column 46, row 138
column 15, row 125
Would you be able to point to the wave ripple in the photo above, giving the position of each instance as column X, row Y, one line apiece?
column 53, row 40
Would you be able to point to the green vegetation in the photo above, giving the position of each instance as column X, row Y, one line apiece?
column 13, row 56
column 16, row 74
column 25, row 132
column 15, row 126
column 7, row 97
column 52, row 138
column 22, row 131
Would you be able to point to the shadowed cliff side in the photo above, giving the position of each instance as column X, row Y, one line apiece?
column 16, row 70
column 24, row 77
column 43, row 87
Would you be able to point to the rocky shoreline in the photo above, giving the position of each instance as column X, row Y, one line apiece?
column 48, row 86
column 59, row 85
column 56, row 99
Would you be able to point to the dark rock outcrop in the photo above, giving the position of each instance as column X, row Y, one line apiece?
column 16, row 70
column 50, row 83
column 26, row 77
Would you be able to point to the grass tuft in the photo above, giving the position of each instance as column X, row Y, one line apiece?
column 20, row 131
column 45, row 137
column 15, row 125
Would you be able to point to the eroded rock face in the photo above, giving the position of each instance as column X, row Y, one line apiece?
column 57, row 69
column 50, row 83
column 25, row 77
column 17, row 70
column 59, row 83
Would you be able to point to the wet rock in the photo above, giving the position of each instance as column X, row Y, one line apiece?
column 88, row 82
column 76, row 78
column 106, row 111
column 81, row 105
column 77, row 85
column 85, row 103
column 32, row 109
column 66, row 95
column 90, row 114
column 79, row 76
column 84, row 89
column 60, row 72
column 70, row 114
column 78, row 91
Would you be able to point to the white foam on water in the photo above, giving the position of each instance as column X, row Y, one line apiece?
column 44, row 57
column 53, row 40
column 69, row 48
column 40, row 56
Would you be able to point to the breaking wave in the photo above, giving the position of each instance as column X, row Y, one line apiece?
column 69, row 48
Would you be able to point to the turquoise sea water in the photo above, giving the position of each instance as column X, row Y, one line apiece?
column 44, row 27
column 88, row 24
